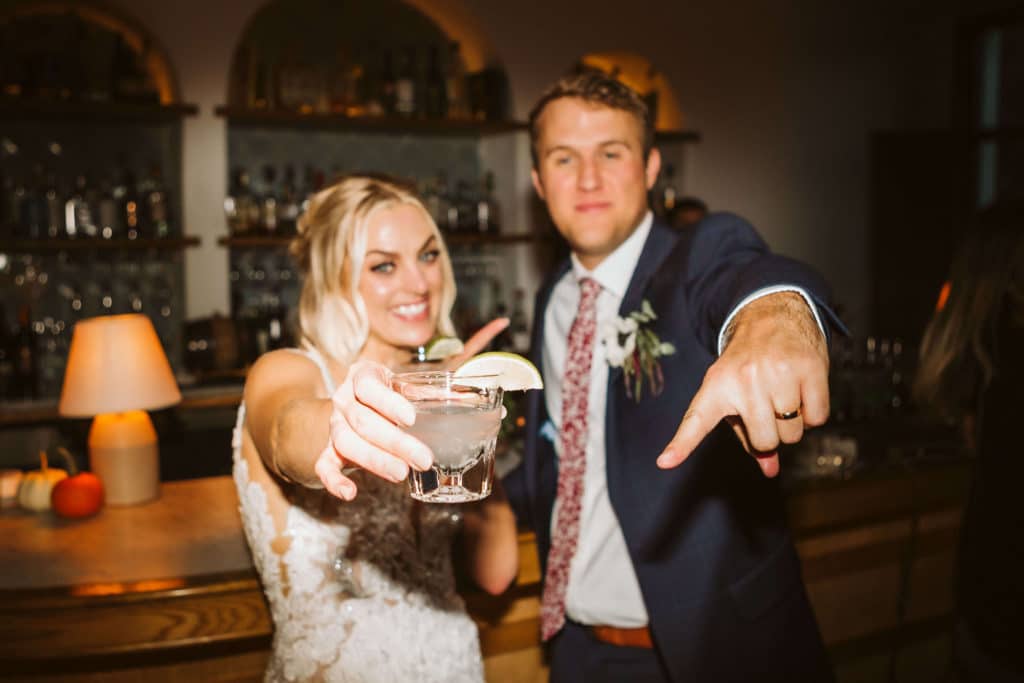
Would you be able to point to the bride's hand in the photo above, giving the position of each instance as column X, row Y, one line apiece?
column 365, row 432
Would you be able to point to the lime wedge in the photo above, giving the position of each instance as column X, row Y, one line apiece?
column 514, row 372
column 442, row 347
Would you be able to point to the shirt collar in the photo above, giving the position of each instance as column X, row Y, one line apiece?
column 616, row 270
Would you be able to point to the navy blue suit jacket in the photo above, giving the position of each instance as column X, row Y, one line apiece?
column 717, row 569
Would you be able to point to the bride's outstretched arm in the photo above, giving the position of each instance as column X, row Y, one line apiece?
column 492, row 552
column 286, row 418
column 309, row 438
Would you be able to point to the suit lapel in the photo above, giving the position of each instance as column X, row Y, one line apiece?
column 660, row 242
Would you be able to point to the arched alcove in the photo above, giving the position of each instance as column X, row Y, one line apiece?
column 637, row 72
column 90, row 29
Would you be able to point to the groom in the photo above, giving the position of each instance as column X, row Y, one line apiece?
column 663, row 543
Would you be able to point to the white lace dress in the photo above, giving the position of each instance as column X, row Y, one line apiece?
column 359, row 592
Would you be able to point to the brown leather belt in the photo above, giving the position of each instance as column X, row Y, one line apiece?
column 624, row 637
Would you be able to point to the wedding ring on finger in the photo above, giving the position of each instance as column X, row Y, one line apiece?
column 791, row 415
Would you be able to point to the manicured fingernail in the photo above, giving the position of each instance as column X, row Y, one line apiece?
column 407, row 414
column 399, row 472
column 424, row 458
column 766, row 454
column 663, row 459
column 348, row 490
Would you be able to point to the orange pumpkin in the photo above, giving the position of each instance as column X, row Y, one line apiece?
column 80, row 495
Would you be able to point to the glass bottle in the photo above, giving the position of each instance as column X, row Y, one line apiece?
column 405, row 84
column 25, row 357
column 155, row 203
column 78, row 213
column 518, row 327
column 288, row 205
column 268, row 200
column 455, row 84
column 488, row 214
column 435, row 97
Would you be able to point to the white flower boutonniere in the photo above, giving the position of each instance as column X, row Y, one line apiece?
column 630, row 344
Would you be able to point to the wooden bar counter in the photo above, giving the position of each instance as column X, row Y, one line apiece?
column 166, row 591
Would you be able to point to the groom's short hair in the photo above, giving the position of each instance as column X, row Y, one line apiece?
column 596, row 87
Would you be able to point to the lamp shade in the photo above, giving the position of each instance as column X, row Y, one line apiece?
column 115, row 364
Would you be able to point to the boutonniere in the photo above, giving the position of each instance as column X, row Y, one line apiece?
column 632, row 345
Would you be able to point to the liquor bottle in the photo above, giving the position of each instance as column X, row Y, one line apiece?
column 131, row 211
column 156, row 205
column 78, row 212
column 25, row 357
column 405, row 84
column 337, row 82
column 10, row 211
column 33, row 206
column 262, row 88
column 288, row 206
column 53, row 199
column 268, row 200
column 371, row 96
column 435, row 97
column 455, row 84
column 108, row 213
column 466, row 206
column 899, row 394
column 8, row 357
column 488, row 215
column 518, row 327
column 388, row 85
column 236, row 207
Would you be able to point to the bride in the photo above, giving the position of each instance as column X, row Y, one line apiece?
column 357, row 574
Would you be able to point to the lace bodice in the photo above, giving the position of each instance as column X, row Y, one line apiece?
column 359, row 591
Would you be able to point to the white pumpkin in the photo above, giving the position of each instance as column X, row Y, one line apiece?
column 36, row 486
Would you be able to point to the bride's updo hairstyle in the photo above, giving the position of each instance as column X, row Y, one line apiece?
column 330, row 249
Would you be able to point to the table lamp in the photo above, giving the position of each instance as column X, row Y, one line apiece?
column 116, row 371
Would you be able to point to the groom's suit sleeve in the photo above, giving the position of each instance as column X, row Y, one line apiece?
column 728, row 261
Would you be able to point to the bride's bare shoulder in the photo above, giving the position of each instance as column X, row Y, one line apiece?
column 281, row 369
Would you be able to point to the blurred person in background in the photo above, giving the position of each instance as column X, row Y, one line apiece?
column 971, row 371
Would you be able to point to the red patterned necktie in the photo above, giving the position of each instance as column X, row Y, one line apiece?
column 573, row 459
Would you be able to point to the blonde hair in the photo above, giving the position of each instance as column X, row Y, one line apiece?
column 959, row 351
column 330, row 249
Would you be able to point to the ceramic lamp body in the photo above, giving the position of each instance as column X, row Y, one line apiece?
column 123, row 454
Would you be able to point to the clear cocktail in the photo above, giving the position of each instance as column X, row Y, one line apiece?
column 458, row 419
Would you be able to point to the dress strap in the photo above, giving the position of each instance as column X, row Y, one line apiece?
column 321, row 363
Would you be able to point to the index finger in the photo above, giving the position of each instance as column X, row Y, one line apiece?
column 703, row 415
column 479, row 341
column 370, row 387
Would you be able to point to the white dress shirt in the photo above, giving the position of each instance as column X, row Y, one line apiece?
column 603, row 588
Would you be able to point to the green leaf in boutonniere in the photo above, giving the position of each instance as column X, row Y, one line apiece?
column 632, row 345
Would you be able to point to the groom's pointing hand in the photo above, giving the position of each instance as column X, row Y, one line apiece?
column 775, row 364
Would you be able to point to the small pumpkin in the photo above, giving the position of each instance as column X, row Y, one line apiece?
column 37, row 486
column 79, row 495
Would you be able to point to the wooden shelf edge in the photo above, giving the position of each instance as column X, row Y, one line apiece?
column 20, row 245
column 457, row 239
column 109, row 111
column 676, row 136
column 366, row 124
column 33, row 412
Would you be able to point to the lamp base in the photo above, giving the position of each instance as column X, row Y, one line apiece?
column 123, row 454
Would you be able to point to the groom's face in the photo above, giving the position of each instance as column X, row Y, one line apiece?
column 592, row 174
